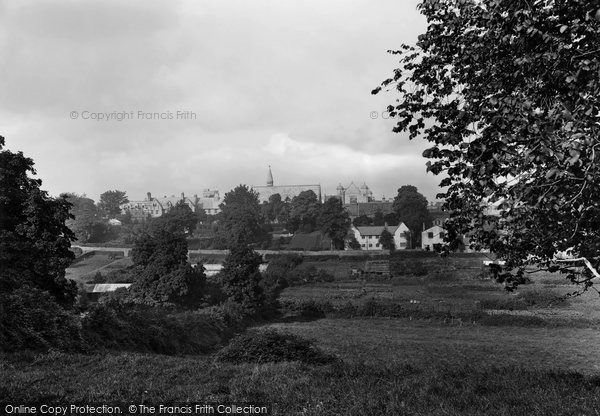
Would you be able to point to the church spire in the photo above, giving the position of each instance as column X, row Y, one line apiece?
column 269, row 177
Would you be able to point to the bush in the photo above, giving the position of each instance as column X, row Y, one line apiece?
column 154, row 330
column 31, row 319
column 272, row 346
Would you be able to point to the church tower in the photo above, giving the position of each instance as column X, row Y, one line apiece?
column 269, row 177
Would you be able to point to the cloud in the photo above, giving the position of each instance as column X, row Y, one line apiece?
column 259, row 76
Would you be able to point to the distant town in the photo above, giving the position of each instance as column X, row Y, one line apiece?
column 370, row 215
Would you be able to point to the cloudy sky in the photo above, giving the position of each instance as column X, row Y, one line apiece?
column 280, row 83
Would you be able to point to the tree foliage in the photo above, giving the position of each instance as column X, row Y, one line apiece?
column 86, row 221
column 334, row 221
column 240, row 219
column 34, row 240
column 179, row 219
column 304, row 212
column 411, row 208
column 241, row 278
column 110, row 201
column 386, row 239
column 508, row 93
column 162, row 274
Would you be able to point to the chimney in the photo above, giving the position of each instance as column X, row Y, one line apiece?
column 149, row 195
column 182, row 196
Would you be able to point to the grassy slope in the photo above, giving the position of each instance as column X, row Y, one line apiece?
column 388, row 366
column 405, row 386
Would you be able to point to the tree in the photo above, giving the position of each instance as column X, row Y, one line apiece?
column 110, row 201
column 391, row 219
column 353, row 243
column 240, row 219
column 386, row 239
column 86, row 221
column 411, row 208
column 179, row 219
column 304, row 211
column 508, row 93
column 362, row 220
column 378, row 219
column 334, row 221
column 272, row 209
column 34, row 240
column 242, row 278
column 162, row 274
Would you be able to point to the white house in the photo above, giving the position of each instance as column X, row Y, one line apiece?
column 431, row 236
column 368, row 236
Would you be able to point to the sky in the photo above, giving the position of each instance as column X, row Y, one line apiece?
column 180, row 96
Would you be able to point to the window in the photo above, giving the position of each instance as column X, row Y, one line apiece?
column 442, row 235
column 370, row 245
column 429, row 235
column 377, row 245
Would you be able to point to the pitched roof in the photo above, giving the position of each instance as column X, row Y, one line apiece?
column 376, row 230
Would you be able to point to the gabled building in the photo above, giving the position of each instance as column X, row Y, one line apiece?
column 432, row 237
column 152, row 207
column 368, row 236
column 352, row 194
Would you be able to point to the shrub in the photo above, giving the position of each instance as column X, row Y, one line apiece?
column 150, row 330
column 32, row 319
column 272, row 346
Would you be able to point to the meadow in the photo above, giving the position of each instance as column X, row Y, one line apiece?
column 448, row 341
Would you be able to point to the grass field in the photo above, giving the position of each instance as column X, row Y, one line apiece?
column 84, row 270
column 450, row 342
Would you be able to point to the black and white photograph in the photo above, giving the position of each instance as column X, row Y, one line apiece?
column 300, row 207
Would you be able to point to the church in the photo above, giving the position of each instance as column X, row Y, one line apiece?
column 287, row 192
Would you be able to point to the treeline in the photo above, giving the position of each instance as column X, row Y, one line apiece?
column 171, row 306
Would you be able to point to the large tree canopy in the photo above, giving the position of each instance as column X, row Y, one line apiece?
column 34, row 240
column 508, row 93
column 240, row 219
column 334, row 221
column 86, row 221
column 411, row 208
column 110, row 201
column 304, row 212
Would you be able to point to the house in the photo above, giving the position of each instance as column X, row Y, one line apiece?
column 432, row 237
column 368, row 236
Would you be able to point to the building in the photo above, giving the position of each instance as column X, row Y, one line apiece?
column 368, row 236
column 210, row 201
column 368, row 208
column 432, row 237
column 436, row 214
column 352, row 194
column 287, row 192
